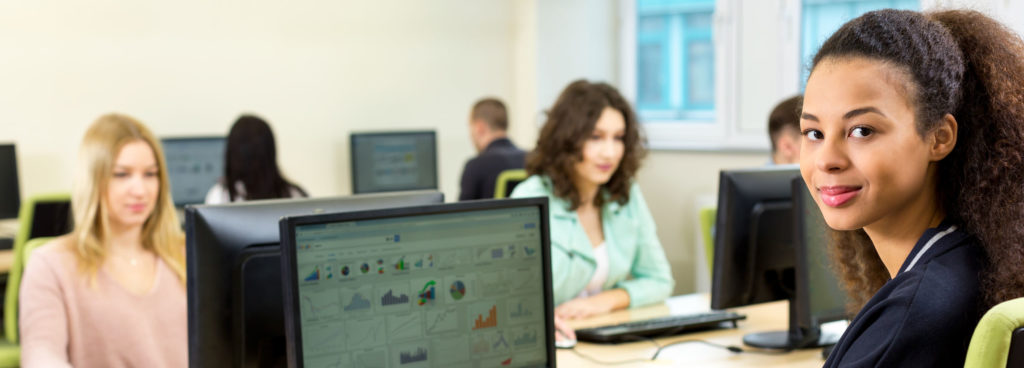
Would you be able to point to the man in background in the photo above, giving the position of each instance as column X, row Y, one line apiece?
column 488, row 124
column 784, row 130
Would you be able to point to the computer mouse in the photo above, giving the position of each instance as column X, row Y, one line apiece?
column 565, row 344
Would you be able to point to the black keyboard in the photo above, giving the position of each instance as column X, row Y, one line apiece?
column 663, row 326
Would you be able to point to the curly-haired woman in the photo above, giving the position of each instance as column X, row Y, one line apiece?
column 914, row 150
column 605, row 251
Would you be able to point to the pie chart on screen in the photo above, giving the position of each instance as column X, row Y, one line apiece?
column 458, row 290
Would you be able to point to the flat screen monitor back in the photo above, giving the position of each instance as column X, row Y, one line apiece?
column 383, row 162
column 10, row 194
column 235, row 313
column 193, row 167
column 819, row 297
column 753, row 258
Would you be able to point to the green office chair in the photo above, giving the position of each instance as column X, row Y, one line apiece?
column 507, row 181
column 40, row 218
column 707, row 232
column 998, row 341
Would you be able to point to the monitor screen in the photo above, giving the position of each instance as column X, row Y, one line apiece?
column 235, row 302
column 10, row 195
column 464, row 284
column 193, row 167
column 383, row 162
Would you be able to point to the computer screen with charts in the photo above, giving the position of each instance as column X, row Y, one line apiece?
column 193, row 167
column 454, row 285
column 384, row 162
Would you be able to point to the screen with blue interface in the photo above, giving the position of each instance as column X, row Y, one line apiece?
column 384, row 162
column 458, row 289
column 193, row 167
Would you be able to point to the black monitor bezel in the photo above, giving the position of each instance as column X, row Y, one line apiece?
column 205, row 138
column 16, row 198
column 354, row 164
column 293, row 330
column 209, row 336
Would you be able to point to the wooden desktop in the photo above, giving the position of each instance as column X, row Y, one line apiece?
column 760, row 317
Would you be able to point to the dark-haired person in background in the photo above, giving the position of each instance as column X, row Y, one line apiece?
column 488, row 124
column 784, row 131
column 605, row 252
column 250, row 163
column 912, row 148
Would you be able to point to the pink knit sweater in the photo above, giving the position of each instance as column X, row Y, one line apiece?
column 66, row 322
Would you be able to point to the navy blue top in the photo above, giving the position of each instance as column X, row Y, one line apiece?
column 481, row 172
column 924, row 317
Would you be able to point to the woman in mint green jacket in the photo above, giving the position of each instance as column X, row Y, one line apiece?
column 605, row 253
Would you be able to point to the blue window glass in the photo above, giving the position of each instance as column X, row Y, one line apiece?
column 821, row 18
column 675, row 57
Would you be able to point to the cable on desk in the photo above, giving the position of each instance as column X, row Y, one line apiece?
column 621, row 362
column 732, row 348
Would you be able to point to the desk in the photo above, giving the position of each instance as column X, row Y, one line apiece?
column 761, row 317
column 8, row 228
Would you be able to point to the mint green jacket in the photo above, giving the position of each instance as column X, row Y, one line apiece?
column 636, row 260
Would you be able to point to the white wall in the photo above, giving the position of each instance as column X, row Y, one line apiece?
column 320, row 69
column 316, row 70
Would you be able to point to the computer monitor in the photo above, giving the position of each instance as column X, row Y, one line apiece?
column 463, row 284
column 10, row 194
column 770, row 244
column 383, row 162
column 193, row 167
column 235, row 313
column 819, row 298
column 753, row 257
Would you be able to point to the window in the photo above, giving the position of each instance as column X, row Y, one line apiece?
column 705, row 74
column 672, row 69
column 675, row 60
column 821, row 18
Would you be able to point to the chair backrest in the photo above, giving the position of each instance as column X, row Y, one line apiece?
column 1016, row 356
column 998, row 341
column 45, row 215
column 707, row 233
column 14, row 281
column 41, row 217
column 507, row 181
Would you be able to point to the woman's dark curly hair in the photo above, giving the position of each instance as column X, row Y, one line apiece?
column 570, row 122
column 966, row 64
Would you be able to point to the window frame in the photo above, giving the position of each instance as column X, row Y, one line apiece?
column 692, row 134
column 724, row 132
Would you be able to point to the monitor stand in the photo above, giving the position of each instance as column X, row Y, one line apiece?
column 797, row 337
column 782, row 340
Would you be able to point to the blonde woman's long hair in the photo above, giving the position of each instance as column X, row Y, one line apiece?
column 160, row 233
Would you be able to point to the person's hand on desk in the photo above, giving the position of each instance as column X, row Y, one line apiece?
column 563, row 331
column 602, row 303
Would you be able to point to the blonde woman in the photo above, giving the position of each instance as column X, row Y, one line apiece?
column 111, row 293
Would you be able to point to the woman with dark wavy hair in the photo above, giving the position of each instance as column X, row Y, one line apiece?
column 913, row 149
column 605, row 253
